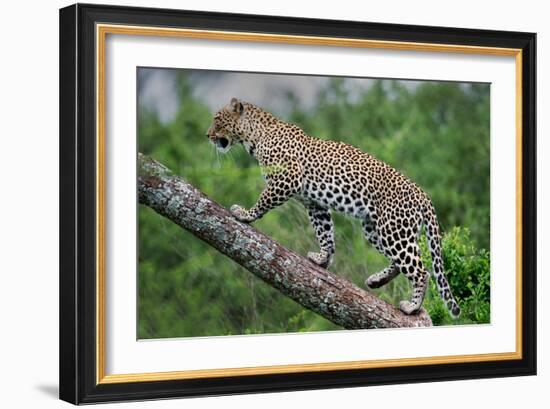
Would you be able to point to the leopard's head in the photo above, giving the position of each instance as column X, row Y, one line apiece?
column 228, row 127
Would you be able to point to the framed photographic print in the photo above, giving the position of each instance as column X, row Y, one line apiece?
column 257, row 203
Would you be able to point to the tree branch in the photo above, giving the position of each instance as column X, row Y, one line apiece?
column 315, row 288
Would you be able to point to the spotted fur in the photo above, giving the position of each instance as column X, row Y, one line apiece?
column 327, row 175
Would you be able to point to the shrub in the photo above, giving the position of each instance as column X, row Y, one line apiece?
column 468, row 271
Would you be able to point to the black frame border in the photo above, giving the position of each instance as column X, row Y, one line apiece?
column 78, row 197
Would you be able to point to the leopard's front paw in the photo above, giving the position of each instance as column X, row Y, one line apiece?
column 321, row 259
column 241, row 213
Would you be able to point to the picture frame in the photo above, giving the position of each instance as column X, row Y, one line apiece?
column 84, row 177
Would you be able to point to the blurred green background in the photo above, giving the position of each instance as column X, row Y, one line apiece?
column 436, row 133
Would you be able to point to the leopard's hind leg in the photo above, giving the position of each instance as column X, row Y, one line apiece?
column 389, row 273
column 405, row 253
column 400, row 245
column 383, row 277
column 409, row 263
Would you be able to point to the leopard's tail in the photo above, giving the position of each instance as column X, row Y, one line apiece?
column 434, row 244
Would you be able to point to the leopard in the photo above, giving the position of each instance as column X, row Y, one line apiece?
column 332, row 176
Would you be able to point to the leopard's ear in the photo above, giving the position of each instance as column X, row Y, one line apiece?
column 236, row 106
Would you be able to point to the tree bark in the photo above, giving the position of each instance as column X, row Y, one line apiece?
column 315, row 288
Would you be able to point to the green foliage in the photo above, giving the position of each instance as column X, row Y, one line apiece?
column 467, row 270
column 436, row 133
